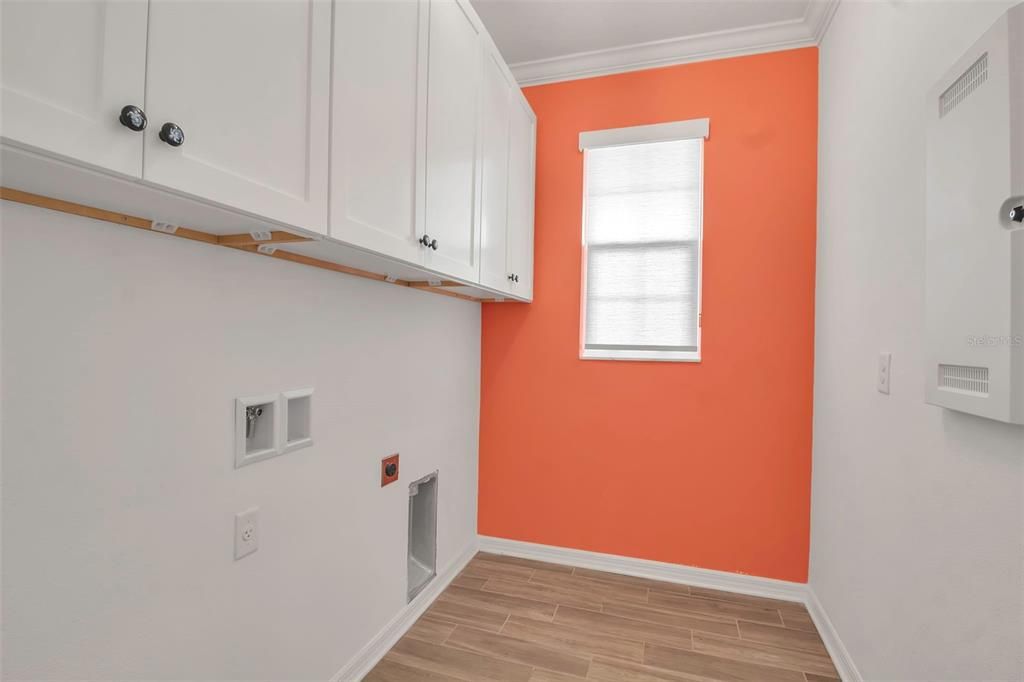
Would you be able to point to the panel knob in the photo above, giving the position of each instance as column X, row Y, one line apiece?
column 425, row 240
column 1017, row 214
column 133, row 118
column 172, row 134
column 517, row 278
column 433, row 244
column 390, row 469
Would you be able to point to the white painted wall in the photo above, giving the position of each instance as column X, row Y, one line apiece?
column 1, row 456
column 917, row 514
column 122, row 354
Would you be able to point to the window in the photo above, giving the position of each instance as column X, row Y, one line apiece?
column 642, row 218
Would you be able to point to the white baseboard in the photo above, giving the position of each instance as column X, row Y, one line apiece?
column 644, row 568
column 701, row 577
column 836, row 649
column 370, row 655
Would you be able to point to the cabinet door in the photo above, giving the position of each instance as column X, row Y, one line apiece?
column 452, row 172
column 378, row 133
column 521, row 185
column 494, row 144
column 249, row 85
column 66, row 71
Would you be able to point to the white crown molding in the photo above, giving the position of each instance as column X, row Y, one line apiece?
column 374, row 650
column 818, row 17
column 701, row 577
column 783, row 35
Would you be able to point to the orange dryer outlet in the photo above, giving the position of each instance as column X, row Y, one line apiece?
column 388, row 470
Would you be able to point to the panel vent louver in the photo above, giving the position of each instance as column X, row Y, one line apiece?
column 969, row 81
column 973, row 380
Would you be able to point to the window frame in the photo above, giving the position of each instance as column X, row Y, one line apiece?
column 617, row 137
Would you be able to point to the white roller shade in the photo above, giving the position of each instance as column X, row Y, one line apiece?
column 642, row 238
column 657, row 132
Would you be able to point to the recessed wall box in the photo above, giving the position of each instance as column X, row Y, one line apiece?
column 974, row 261
column 256, row 429
column 297, row 416
column 422, row 533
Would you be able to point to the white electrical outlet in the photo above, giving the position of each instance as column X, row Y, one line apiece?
column 884, row 372
column 247, row 532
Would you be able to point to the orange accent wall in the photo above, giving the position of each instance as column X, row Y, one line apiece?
column 703, row 464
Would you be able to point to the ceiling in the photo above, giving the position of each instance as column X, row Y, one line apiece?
column 549, row 40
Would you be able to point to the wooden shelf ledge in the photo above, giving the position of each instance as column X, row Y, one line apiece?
column 256, row 238
column 250, row 242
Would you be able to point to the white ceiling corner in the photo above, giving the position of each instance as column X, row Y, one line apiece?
column 791, row 33
column 819, row 16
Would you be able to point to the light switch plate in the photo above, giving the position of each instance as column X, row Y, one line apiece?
column 247, row 532
column 884, row 372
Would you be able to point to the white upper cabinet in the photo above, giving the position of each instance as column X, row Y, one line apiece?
column 521, row 187
column 378, row 135
column 66, row 70
column 494, row 129
column 247, row 85
column 452, row 227
column 424, row 155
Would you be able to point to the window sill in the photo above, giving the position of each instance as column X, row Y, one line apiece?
column 641, row 355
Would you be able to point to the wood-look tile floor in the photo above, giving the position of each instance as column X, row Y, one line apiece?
column 517, row 620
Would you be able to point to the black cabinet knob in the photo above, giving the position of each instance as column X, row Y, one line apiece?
column 517, row 278
column 433, row 244
column 133, row 118
column 172, row 134
column 511, row 278
column 1017, row 214
column 425, row 240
